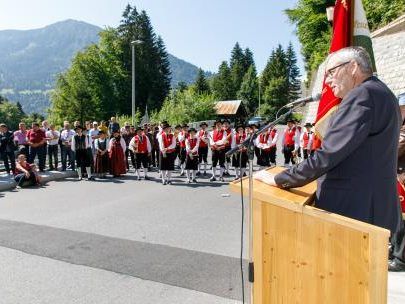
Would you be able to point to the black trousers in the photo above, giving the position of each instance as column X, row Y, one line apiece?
column 132, row 156
column 218, row 156
column 272, row 155
column 53, row 156
column 398, row 240
column 306, row 153
column 202, row 154
column 155, row 157
column 41, row 152
column 288, row 157
column 6, row 156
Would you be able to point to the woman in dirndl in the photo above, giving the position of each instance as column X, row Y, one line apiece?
column 102, row 160
column 116, row 153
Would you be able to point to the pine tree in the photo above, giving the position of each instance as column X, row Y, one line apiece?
column 294, row 84
column 237, row 67
column 248, row 60
column 201, row 85
column 20, row 108
column 275, row 81
column 249, row 90
column 223, row 84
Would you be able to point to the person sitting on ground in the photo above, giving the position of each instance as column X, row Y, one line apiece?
column 26, row 174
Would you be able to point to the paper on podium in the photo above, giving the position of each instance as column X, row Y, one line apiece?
column 299, row 196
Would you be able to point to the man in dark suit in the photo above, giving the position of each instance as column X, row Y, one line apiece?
column 356, row 165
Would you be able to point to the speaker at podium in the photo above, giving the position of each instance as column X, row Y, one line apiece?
column 303, row 254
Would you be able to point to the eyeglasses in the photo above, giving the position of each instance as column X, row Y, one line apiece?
column 332, row 71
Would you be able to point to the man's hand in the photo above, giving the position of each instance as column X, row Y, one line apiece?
column 265, row 177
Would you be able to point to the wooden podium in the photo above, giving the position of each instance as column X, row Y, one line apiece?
column 305, row 255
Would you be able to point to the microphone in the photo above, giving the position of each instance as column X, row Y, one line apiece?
column 302, row 100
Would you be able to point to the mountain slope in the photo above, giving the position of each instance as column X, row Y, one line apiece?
column 30, row 60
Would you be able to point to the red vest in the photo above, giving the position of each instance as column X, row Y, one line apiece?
column 240, row 139
column 263, row 138
column 218, row 135
column 183, row 142
column 167, row 141
column 289, row 137
column 305, row 137
column 142, row 144
column 316, row 143
column 192, row 142
column 201, row 134
column 228, row 134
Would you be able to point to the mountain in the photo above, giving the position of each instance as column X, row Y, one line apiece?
column 31, row 59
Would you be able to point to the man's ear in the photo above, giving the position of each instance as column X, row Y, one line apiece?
column 355, row 68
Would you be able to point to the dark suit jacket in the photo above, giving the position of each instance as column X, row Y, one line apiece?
column 357, row 162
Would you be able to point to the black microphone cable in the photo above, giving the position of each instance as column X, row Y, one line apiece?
column 242, row 226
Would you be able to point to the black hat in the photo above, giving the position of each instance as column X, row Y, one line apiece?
column 192, row 130
column 79, row 127
column 291, row 120
column 308, row 125
column 138, row 129
column 253, row 125
column 203, row 124
column 240, row 126
column 185, row 125
column 177, row 126
column 226, row 120
column 166, row 125
column 218, row 121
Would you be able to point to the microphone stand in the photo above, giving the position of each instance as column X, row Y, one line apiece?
column 249, row 145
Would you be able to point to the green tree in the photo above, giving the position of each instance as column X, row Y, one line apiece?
column 275, row 81
column 248, row 60
column 314, row 32
column 99, row 81
column 293, row 72
column 186, row 106
column 223, row 86
column 237, row 67
column 201, row 85
column 249, row 90
column 10, row 114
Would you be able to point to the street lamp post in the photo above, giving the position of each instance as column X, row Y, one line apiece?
column 259, row 93
column 133, row 43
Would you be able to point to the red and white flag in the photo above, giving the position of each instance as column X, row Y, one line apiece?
column 350, row 28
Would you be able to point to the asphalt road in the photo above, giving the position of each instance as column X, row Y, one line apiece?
column 71, row 242
column 125, row 241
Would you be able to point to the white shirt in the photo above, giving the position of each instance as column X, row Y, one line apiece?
column 219, row 142
column 66, row 136
column 94, row 133
column 271, row 142
column 188, row 147
column 54, row 135
column 310, row 139
column 161, row 144
column 132, row 144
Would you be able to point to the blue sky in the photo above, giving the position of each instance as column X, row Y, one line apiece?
column 201, row 32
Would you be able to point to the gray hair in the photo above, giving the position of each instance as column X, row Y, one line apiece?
column 358, row 54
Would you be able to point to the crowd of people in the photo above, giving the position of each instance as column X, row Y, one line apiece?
column 98, row 149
